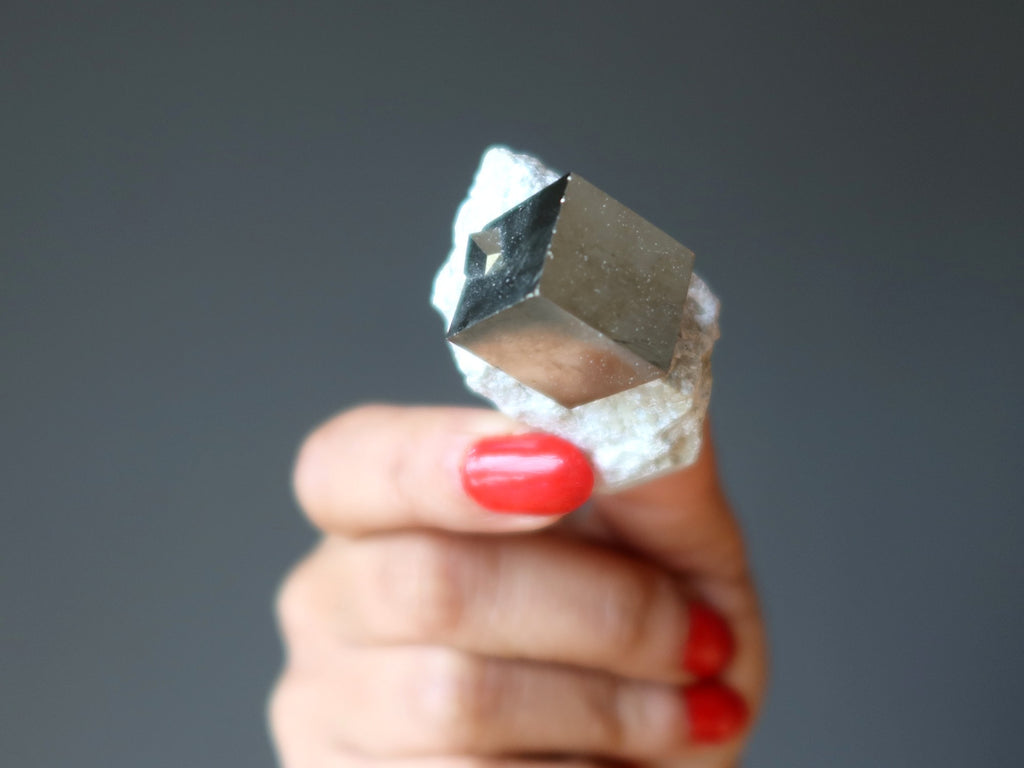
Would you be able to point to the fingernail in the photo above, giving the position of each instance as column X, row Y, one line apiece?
column 533, row 473
column 709, row 642
column 715, row 713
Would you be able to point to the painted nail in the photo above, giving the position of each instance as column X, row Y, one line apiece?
column 709, row 642
column 534, row 473
column 715, row 713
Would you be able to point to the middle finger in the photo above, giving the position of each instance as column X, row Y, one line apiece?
column 541, row 597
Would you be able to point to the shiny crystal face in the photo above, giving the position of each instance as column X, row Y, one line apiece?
column 573, row 294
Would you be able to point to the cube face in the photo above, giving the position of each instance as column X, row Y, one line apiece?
column 541, row 345
column 618, row 273
column 573, row 294
column 505, row 262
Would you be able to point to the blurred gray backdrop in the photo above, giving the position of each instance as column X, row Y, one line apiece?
column 219, row 223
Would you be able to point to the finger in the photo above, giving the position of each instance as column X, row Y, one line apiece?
column 379, row 468
column 541, row 597
column 300, row 719
column 417, row 701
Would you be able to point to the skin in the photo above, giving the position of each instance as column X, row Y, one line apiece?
column 425, row 631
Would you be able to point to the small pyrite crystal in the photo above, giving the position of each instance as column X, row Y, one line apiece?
column 573, row 294
column 577, row 317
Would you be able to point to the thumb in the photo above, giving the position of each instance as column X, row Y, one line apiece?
column 682, row 521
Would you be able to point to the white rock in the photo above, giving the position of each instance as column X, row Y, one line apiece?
column 630, row 436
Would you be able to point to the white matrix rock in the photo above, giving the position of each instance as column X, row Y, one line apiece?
column 630, row 436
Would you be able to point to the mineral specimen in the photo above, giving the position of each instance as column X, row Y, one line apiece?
column 578, row 306
column 573, row 294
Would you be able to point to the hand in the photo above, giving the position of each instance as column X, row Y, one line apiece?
column 433, row 627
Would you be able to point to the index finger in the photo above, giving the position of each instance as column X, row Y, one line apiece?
column 378, row 468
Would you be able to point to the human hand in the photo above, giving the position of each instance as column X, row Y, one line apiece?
column 429, row 631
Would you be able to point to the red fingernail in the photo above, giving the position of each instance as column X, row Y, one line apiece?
column 716, row 713
column 534, row 474
column 709, row 642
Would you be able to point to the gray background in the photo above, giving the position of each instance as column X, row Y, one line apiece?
column 219, row 224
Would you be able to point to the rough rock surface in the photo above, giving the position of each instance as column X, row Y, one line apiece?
column 630, row 436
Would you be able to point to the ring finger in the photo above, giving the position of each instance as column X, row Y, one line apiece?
column 423, row 701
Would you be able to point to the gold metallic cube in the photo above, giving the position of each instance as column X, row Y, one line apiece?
column 573, row 294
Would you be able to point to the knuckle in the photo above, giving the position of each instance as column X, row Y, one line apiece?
column 625, row 616
column 295, row 605
column 283, row 709
column 458, row 697
column 470, row 761
column 424, row 585
column 399, row 471
column 646, row 717
column 602, row 704
column 483, row 761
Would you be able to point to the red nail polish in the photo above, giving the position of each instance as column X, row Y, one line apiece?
column 709, row 642
column 716, row 713
column 534, row 474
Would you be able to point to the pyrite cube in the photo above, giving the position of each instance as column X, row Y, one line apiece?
column 573, row 294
